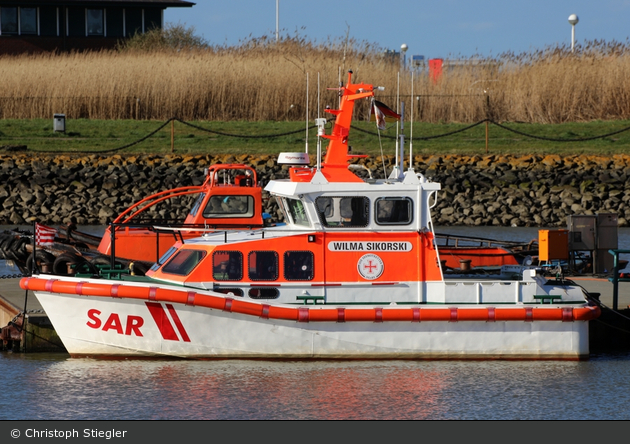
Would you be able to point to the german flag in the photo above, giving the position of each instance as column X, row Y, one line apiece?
column 381, row 114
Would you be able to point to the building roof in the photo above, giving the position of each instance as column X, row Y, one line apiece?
column 99, row 3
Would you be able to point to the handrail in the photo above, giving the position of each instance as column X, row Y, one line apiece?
column 155, row 199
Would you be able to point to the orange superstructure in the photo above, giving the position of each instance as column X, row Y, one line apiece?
column 229, row 198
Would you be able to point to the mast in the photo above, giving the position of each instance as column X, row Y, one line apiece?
column 337, row 155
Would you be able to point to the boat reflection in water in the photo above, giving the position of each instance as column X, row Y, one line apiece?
column 86, row 389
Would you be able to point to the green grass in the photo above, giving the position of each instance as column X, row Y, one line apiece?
column 85, row 136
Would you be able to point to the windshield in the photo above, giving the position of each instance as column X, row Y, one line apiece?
column 297, row 212
column 229, row 206
column 184, row 262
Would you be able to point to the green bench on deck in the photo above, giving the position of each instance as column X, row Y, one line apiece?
column 307, row 298
column 547, row 298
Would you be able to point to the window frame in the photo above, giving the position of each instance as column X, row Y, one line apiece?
column 337, row 203
column 251, row 210
column 276, row 265
column 2, row 20
column 192, row 255
column 262, row 291
column 214, row 265
column 393, row 199
column 21, row 21
column 292, row 206
column 103, row 22
column 286, row 262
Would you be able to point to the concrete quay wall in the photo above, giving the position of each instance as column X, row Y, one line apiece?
column 491, row 190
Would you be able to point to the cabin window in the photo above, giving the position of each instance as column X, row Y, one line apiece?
column 229, row 206
column 227, row 265
column 229, row 291
column 9, row 20
column 297, row 212
column 298, row 266
column 283, row 209
column 343, row 212
column 184, row 262
column 263, row 293
column 263, row 265
column 164, row 258
column 94, row 22
column 394, row 211
column 197, row 205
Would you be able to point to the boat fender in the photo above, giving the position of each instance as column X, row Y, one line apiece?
column 60, row 265
column 43, row 258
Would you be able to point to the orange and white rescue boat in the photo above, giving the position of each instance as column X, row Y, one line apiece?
column 353, row 274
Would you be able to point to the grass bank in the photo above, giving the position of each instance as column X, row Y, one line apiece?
column 107, row 136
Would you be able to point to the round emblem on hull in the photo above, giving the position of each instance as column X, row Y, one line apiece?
column 370, row 266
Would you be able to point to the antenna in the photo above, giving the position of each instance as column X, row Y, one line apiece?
column 411, row 127
column 340, row 86
column 394, row 174
column 398, row 123
column 320, row 130
column 306, row 148
column 402, row 139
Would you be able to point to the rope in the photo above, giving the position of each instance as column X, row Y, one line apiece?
column 379, row 135
column 533, row 136
column 428, row 137
column 142, row 139
column 263, row 136
column 137, row 141
column 551, row 139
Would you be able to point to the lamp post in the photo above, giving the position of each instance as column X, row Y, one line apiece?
column 573, row 20
column 403, row 49
column 277, row 20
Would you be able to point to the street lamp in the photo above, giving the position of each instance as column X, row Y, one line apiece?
column 403, row 49
column 573, row 20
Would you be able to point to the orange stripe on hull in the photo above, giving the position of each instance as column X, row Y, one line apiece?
column 306, row 314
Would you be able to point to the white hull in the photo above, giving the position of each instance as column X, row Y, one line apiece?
column 205, row 333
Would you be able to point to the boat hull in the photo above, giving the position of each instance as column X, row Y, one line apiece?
column 106, row 327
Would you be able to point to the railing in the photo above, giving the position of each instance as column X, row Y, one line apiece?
column 615, row 279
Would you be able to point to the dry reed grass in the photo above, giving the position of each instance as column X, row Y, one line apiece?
column 265, row 81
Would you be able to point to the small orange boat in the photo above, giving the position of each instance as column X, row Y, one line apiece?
column 229, row 198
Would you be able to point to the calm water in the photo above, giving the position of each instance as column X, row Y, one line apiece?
column 55, row 387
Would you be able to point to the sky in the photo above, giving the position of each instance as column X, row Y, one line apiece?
column 434, row 29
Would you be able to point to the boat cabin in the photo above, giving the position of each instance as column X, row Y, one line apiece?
column 363, row 235
column 230, row 198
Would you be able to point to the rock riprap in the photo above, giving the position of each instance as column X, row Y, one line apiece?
column 499, row 190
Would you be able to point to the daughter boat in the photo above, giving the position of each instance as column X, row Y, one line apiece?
column 353, row 274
